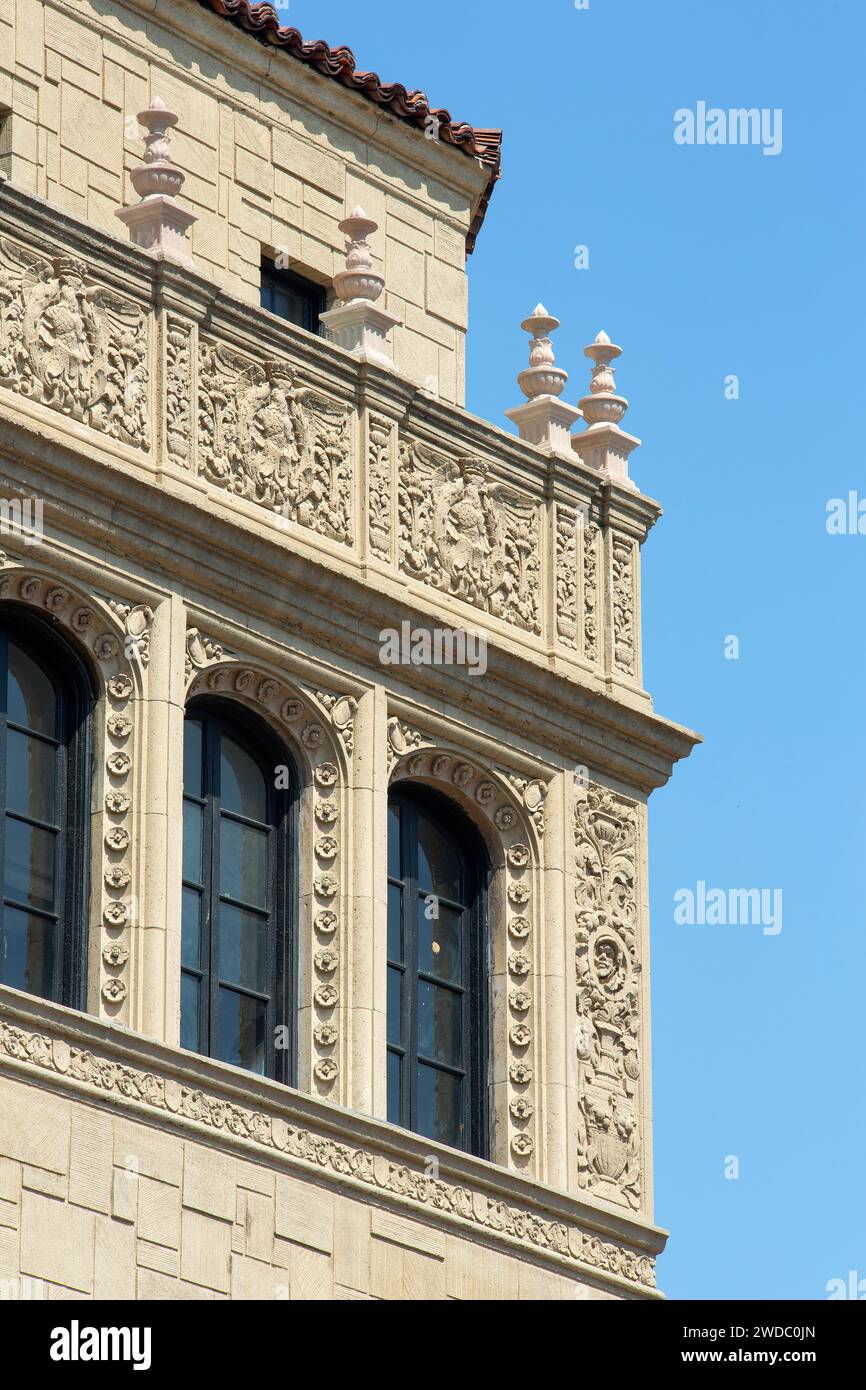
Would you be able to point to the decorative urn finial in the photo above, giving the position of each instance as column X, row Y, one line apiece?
column 357, row 323
column 542, row 377
column 603, row 445
column 603, row 405
column 359, row 280
column 158, row 223
column 544, row 419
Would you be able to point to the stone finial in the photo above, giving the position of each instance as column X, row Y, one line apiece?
column 542, row 377
column 158, row 223
column 357, row 323
column 359, row 280
column 544, row 420
column 603, row 405
column 603, row 445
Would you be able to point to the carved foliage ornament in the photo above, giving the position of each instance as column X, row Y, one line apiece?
column 263, row 437
column 608, row 996
column 73, row 346
column 473, row 538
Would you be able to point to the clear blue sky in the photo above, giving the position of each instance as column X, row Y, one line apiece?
column 707, row 261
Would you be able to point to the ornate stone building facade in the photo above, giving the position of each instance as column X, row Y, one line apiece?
column 233, row 510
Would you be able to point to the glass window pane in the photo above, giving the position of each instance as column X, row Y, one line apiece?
column 395, row 997
column 440, row 869
column 31, row 700
column 395, row 923
column 243, row 863
column 30, row 776
column 189, row 1012
column 241, row 1031
column 440, row 1024
column 439, row 940
column 30, row 864
column 440, row 1112
column 192, row 827
column 29, row 953
column 243, row 945
column 394, row 867
column 192, row 758
column 242, row 783
column 190, row 944
column 395, row 1090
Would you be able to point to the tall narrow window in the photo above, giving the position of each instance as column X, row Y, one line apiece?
column 44, row 713
column 237, row 886
column 437, row 976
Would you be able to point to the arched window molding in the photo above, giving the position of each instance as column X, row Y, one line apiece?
column 111, row 638
column 317, row 727
column 511, row 829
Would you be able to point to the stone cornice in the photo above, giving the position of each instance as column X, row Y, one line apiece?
column 74, row 1054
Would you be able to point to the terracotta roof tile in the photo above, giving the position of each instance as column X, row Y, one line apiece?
column 339, row 64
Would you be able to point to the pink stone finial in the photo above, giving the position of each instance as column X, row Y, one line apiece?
column 542, row 377
column 158, row 223
column 603, row 405
column 359, row 280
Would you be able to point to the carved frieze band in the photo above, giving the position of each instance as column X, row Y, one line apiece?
column 608, row 997
column 117, row 637
column 468, row 535
column 270, row 1133
column 264, row 436
column 73, row 345
column 315, row 722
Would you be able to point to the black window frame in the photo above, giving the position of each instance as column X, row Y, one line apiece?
column 264, row 745
column 456, row 825
column 75, row 694
column 313, row 297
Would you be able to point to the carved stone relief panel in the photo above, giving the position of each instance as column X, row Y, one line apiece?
column 468, row 535
column 319, row 727
column 510, row 807
column 116, row 637
column 591, row 539
column 265, row 437
column 380, row 487
column 567, row 594
column 623, row 587
column 610, row 1161
column 74, row 346
column 179, row 359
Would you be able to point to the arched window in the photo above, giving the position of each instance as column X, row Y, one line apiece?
column 238, row 888
column 437, row 972
column 45, row 701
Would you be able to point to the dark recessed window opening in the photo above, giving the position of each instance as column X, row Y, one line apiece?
column 238, row 892
column 437, row 972
column 45, row 701
column 292, row 297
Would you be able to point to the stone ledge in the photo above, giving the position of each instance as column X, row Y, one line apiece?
column 109, row 1065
